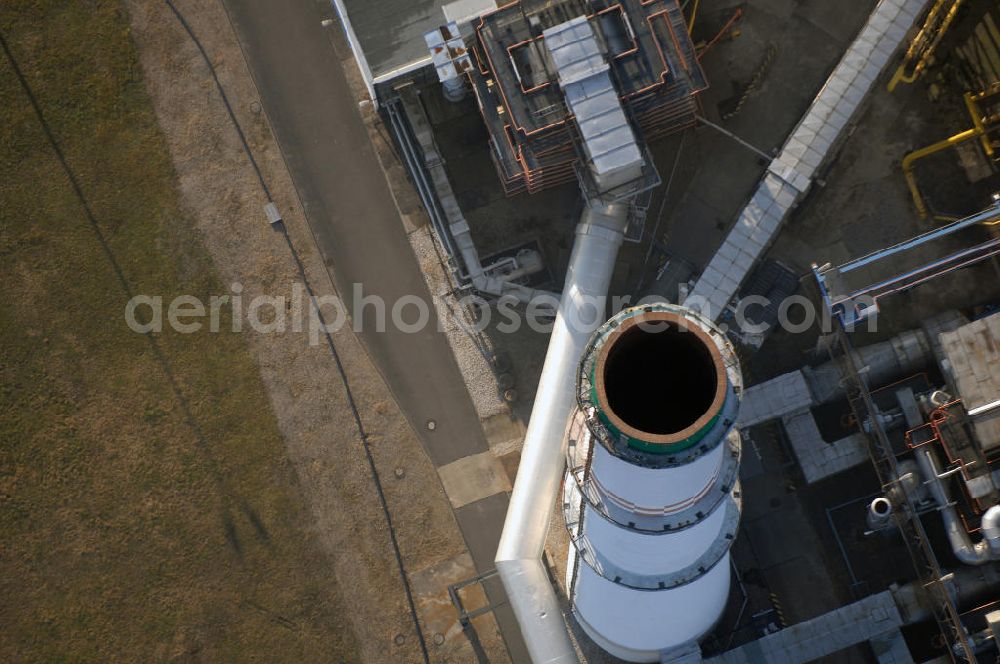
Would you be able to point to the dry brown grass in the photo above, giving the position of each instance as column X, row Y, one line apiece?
column 141, row 519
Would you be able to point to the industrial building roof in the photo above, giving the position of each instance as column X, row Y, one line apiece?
column 973, row 351
column 388, row 35
column 874, row 618
column 391, row 32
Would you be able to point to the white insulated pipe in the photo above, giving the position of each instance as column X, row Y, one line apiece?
column 599, row 236
column 985, row 550
column 989, row 526
column 482, row 278
column 986, row 408
column 968, row 586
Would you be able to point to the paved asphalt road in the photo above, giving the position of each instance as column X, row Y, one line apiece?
column 351, row 211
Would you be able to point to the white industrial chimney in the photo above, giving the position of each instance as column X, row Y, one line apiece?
column 651, row 496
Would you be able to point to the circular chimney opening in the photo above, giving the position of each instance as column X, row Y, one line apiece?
column 660, row 378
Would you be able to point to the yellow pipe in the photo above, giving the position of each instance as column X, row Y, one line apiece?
column 694, row 15
column 908, row 161
column 995, row 218
column 911, row 51
column 901, row 75
column 977, row 122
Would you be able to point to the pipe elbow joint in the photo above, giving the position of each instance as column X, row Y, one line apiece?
column 990, row 528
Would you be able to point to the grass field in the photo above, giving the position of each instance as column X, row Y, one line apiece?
column 147, row 510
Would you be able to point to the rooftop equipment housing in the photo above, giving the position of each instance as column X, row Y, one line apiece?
column 644, row 46
column 450, row 58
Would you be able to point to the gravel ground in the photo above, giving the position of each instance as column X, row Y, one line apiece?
column 471, row 350
column 220, row 192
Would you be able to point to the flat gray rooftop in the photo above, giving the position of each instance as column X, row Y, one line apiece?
column 874, row 618
column 391, row 32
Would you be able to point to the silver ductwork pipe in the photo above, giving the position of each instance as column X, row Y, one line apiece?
column 989, row 526
column 987, row 549
column 883, row 362
column 968, row 587
column 599, row 236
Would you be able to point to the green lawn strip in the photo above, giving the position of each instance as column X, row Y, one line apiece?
column 124, row 536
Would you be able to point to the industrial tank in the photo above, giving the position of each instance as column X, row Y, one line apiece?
column 651, row 495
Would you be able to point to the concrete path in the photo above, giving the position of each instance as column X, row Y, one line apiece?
column 357, row 226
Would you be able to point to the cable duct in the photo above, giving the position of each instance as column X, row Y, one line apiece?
column 424, row 161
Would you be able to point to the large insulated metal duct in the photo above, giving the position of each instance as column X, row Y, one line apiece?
column 968, row 587
column 599, row 235
column 614, row 162
column 884, row 362
column 651, row 498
